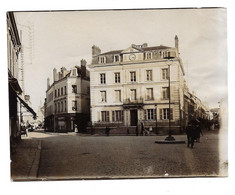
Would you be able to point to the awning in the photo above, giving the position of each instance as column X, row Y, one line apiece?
column 15, row 85
column 27, row 107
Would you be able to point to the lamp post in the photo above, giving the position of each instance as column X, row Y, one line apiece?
column 169, row 139
column 169, row 62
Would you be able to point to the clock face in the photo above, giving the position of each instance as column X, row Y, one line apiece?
column 132, row 57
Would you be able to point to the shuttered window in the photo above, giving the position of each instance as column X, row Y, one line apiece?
column 164, row 114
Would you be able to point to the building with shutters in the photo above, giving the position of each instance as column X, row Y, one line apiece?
column 130, row 86
column 17, row 101
column 68, row 99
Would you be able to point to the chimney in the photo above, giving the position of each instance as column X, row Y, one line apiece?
column 27, row 97
column 83, row 68
column 48, row 83
column 177, row 43
column 95, row 50
column 145, row 45
column 63, row 72
column 55, row 75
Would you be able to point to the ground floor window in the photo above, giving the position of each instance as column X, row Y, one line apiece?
column 150, row 114
column 164, row 113
column 105, row 116
column 117, row 115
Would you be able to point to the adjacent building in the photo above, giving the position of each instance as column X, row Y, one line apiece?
column 16, row 96
column 68, row 99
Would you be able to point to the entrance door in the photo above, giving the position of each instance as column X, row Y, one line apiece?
column 134, row 117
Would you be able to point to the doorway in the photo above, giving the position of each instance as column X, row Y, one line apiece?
column 134, row 117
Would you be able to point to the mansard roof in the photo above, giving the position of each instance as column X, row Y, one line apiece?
column 141, row 49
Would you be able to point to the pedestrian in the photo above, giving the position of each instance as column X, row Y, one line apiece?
column 75, row 128
column 198, row 129
column 191, row 134
column 137, row 130
column 107, row 130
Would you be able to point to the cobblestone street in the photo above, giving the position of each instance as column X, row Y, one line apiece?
column 74, row 156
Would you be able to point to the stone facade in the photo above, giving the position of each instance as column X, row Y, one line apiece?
column 131, row 86
column 68, row 99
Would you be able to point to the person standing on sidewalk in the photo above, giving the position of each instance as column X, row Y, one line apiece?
column 191, row 134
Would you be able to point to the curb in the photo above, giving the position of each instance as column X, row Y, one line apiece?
column 33, row 173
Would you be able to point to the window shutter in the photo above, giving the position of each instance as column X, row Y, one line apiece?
column 122, row 116
column 154, row 114
column 113, row 117
column 107, row 116
column 145, row 115
column 160, row 114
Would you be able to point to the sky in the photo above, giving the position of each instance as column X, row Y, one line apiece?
column 62, row 39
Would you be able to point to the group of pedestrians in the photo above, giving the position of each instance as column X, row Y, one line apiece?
column 193, row 131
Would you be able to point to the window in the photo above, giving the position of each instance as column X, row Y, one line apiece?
column 55, row 93
column 102, row 78
column 165, row 93
column 149, row 75
column 148, row 56
column 117, row 95
column 74, row 105
column 65, row 107
column 150, row 114
column 133, row 94
column 117, row 77
column 58, row 92
column 133, row 76
column 165, row 73
column 55, row 108
column 164, row 114
column 65, row 92
column 62, row 91
column 149, row 94
column 58, row 108
column 103, row 96
column 105, row 116
column 74, row 72
column 62, row 106
column 102, row 60
column 117, row 115
column 116, row 58
column 74, row 88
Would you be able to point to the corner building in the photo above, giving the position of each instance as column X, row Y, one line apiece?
column 131, row 86
column 68, row 100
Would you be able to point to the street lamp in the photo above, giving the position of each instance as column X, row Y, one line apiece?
column 169, row 139
column 169, row 62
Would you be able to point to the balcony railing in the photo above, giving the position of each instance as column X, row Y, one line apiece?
column 129, row 101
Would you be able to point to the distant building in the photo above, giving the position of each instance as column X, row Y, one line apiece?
column 16, row 98
column 68, row 99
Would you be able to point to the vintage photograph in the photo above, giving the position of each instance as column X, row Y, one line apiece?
column 117, row 94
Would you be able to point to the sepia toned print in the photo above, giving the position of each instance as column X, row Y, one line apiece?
column 115, row 94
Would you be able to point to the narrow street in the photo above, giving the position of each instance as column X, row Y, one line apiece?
column 73, row 156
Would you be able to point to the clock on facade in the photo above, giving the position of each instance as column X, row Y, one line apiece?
column 132, row 56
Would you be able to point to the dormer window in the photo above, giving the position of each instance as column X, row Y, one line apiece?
column 148, row 56
column 102, row 60
column 116, row 58
column 74, row 72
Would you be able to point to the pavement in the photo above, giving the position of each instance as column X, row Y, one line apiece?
column 52, row 156
column 25, row 160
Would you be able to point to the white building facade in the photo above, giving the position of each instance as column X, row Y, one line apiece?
column 68, row 99
column 131, row 86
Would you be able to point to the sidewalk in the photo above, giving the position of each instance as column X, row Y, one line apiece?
column 25, row 160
